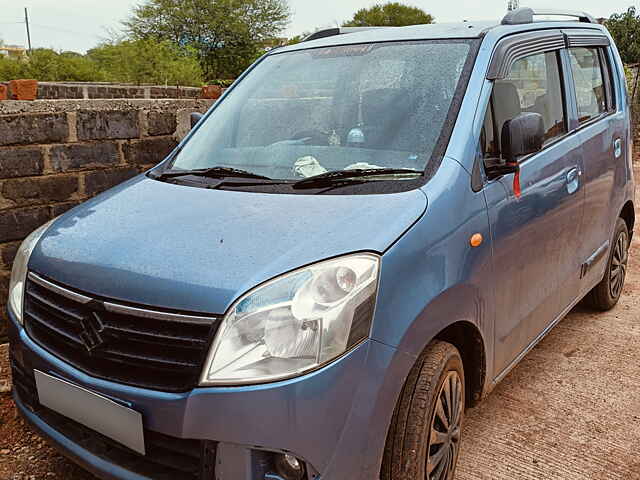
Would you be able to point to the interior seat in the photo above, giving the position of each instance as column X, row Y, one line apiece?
column 506, row 105
column 389, row 118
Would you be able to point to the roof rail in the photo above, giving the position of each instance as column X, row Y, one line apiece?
column 525, row 15
column 331, row 32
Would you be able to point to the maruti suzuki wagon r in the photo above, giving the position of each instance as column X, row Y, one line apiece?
column 354, row 244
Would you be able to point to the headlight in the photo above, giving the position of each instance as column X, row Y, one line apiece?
column 19, row 270
column 295, row 322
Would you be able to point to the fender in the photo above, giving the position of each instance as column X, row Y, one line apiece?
column 445, row 279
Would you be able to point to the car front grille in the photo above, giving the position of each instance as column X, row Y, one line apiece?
column 121, row 343
column 166, row 458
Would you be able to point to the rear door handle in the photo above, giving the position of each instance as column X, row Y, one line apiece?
column 617, row 147
column 573, row 180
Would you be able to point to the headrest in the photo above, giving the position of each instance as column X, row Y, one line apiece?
column 385, row 103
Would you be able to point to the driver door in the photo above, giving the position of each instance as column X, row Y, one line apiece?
column 535, row 232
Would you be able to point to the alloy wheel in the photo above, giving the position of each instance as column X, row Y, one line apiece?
column 618, row 268
column 444, row 440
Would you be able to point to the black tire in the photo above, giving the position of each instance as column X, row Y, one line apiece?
column 606, row 294
column 409, row 444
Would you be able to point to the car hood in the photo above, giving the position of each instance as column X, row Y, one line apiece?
column 186, row 248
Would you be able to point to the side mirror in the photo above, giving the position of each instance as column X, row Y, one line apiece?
column 521, row 136
column 195, row 118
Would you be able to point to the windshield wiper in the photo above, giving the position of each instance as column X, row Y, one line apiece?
column 353, row 176
column 213, row 172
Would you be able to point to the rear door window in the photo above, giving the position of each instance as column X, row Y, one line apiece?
column 589, row 80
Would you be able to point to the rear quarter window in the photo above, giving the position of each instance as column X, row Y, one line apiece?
column 588, row 67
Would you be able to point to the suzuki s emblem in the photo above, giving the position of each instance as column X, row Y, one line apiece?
column 92, row 327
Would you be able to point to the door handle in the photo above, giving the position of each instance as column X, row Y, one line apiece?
column 572, row 175
column 617, row 147
column 573, row 180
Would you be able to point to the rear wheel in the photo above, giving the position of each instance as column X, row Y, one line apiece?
column 424, row 437
column 606, row 294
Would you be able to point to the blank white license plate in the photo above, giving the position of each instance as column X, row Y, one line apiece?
column 92, row 410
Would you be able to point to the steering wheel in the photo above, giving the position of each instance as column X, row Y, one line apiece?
column 315, row 137
column 305, row 137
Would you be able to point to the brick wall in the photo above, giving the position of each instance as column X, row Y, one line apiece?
column 54, row 155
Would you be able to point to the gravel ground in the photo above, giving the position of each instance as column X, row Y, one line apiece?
column 569, row 411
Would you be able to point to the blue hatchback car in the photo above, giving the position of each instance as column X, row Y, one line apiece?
column 357, row 242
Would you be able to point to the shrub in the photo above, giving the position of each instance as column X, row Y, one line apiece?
column 128, row 61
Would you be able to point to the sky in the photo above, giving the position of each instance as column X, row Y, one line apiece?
column 79, row 25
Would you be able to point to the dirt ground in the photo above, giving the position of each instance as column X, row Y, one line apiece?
column 569, row 411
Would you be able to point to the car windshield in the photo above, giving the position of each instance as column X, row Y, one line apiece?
column 303, row 113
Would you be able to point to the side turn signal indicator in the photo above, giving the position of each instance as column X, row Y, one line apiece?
column 476, row 240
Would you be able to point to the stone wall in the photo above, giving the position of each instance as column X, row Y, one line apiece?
column 62, row 90
column 56, row 154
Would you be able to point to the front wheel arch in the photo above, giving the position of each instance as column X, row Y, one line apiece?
column 466, row 337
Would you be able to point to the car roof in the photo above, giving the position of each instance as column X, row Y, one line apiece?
column 444, row 31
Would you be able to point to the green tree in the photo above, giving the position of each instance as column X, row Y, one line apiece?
column 625, row 30
column 147, row 61
column 122, row 61
column 10, row 69
column 75, row 67
column 48, row 65
column 227, row 34
column 45, row 64
column 298, row 38
column 392, row 14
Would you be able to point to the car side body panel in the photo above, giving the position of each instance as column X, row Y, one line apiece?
column 444, row 279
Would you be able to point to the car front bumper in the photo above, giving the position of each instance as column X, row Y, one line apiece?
column 335, row 419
